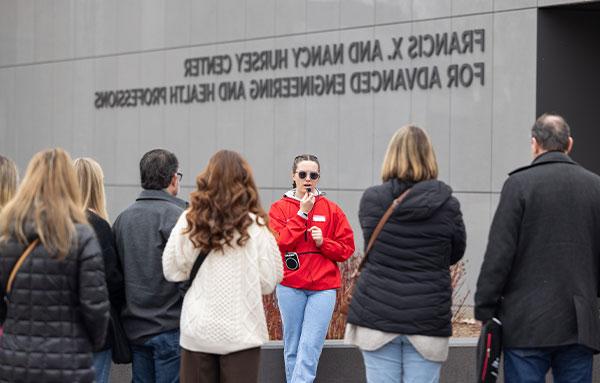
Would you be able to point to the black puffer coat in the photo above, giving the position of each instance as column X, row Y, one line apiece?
column 404, row 287
column 57, row 315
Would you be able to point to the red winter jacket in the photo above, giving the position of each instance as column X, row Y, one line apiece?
column 318, row 269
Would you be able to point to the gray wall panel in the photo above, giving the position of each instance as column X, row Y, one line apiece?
column 503, row 5
column 62, row 104
column 231, row 20
column 43, row 27
column 428, row 9
column 322, row 15
column 105, row 27
column 514, row 91
column 355, row 152
column 349, row 201
column 393, row 11
column 463, row 7
column 323, row 129
column 290, row 16
column 120, row 198
column 152, row 23
column 471, row 117
column 24, row 133
column 260, row 18
column 203, row 22
column 8, row 33
column 63, row 29
column 390, row 111
column 258, row 139
column 355, row 13
column 431, row 107
column 105, row 121
column 25, row 30
column 129, row 22
column 84, row 28
column 178, row 22
column 7, row 143
column 81, row 109
column 42, row 112
column 476, row 214
column 289, row 123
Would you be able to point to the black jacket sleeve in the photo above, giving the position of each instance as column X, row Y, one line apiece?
column 93, row 294
column 112, row 266
column 501, row 249
column 459, row 237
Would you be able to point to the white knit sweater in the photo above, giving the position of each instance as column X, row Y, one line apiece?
column 223, row 309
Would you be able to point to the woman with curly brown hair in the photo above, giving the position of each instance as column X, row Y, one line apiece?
column 223, row 323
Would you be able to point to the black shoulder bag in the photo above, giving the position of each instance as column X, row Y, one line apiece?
column 185, row 286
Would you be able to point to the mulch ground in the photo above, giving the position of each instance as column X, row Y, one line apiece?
column 466, row 328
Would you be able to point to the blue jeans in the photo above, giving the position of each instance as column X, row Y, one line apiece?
column 102, row 365
column 572, row 364
column 157, row 360
column 305, row 315
column 399, row 362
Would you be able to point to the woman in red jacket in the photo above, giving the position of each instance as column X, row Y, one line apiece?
column 313, row 234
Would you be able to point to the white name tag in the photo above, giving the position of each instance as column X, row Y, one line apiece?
column 319, row 218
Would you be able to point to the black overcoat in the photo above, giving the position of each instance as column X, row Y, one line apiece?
column 541, row 268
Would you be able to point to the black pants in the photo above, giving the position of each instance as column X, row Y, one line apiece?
column 237, row 367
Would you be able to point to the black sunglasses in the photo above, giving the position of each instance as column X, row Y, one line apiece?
column 179, row 175
column 313, row 175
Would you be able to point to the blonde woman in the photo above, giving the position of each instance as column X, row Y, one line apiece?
column 8, row 180
column 400, row 312
column 91, row 183
column 58, row 309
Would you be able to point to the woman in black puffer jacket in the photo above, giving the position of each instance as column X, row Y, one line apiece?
column 400, row 315
column 58, row 309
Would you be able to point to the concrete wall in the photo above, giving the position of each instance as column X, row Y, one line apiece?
column 55, row 54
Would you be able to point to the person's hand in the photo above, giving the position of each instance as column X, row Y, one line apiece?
column 307, row 202
column 317, row 235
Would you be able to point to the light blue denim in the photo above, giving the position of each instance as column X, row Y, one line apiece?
column 305, row 315
column 399, row 362
column 102, row 365
column 157, row 360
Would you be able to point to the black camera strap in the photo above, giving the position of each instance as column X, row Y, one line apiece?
column 197, row 263
column 185, row 286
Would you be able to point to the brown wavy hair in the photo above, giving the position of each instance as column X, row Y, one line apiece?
column 219, row 208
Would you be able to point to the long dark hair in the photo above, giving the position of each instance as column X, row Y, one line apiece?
column 219, row 208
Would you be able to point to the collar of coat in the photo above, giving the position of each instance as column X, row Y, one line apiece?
column 551, row 157
column 161, row 195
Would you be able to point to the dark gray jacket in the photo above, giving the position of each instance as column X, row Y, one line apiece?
column 152, row 305
column 57, row 313
column 541, row 266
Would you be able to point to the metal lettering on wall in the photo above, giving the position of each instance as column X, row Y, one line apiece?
column 400, row 50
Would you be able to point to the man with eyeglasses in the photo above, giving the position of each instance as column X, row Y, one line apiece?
column 153, row 305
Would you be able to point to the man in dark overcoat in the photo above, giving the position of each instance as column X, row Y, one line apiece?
column 540, row 274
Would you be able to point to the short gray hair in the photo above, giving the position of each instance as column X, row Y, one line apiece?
column 551, row 132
